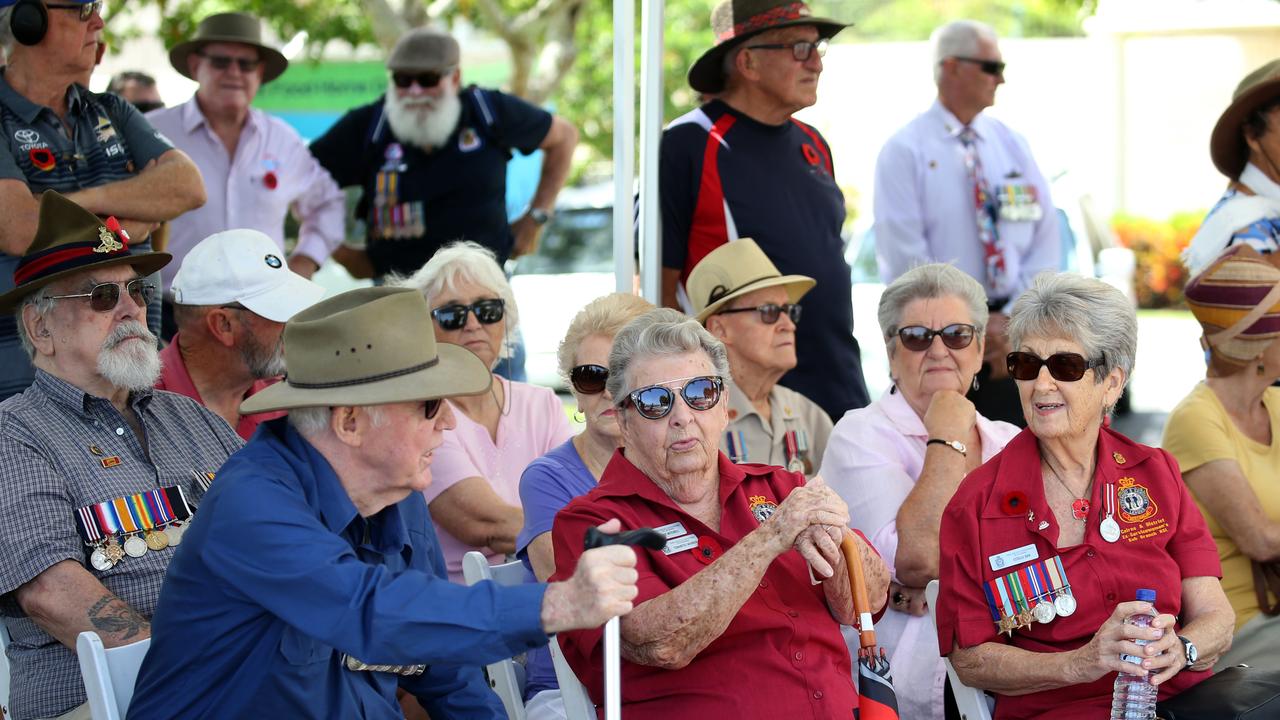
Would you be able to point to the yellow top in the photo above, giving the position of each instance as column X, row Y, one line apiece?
column 1200, row 431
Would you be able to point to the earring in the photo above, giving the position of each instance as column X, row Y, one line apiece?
column 975, row 384
column 579, row 417
column 1262, row 369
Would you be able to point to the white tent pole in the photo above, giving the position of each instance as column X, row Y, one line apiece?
column 624, row 142
column 650, row 134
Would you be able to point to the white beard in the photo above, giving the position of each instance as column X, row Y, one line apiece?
column 133, row 366
column 425, row 122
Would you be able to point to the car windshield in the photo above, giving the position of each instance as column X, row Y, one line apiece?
column 574, row 241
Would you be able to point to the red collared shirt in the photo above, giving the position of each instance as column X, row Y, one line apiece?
column 1163, row 539
column 175, row 378
column 782, row 655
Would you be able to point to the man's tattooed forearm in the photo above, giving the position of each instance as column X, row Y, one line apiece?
column 111, row 616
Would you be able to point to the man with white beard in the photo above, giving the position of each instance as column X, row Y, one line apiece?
column 432, row 158
column 232, row 297
column 100, row 472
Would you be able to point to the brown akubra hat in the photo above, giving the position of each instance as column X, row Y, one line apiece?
column 1227, row 146
column 230, row 27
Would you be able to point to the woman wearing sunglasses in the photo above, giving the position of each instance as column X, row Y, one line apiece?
column 474, row 494
column 1046, row 546
column 727, row 622
column 1224, row 437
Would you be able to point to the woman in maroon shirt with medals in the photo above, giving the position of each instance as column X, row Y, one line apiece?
column 1046, row 545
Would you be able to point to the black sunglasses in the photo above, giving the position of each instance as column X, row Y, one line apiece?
column 453, row 317
column 105, row 296
column 799, row 50
column 222, row 62
column 956, row 336
column 769, row 312
column 425, row 80
column 86, row 9
column 655, row 401
column 589, row 379
column 433, row 407
column 1063, row 367
column 990, row 67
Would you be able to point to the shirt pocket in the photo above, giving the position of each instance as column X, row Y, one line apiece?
column 299, row 648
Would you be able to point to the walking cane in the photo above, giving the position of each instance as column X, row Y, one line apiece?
column 644, row 537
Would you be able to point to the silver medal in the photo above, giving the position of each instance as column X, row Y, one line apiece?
column 1065, row 604
column 135, row 546
column 1044, row 612
column 174, row 531
column 1109, row 529
column 99, row 560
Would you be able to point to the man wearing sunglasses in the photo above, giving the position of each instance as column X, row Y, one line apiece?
column 431, row 159
column 56, row 135
column 956, row 185
column 742, row 166
column 256, row 167
column 94, row 460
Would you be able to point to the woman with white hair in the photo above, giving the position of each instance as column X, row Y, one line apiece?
column 474, row 495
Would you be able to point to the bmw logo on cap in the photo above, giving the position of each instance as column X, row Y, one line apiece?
column 273, row 261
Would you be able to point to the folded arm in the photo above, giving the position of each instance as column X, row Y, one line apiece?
column 167, row 187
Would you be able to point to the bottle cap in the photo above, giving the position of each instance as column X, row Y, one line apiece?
column 1147, row 595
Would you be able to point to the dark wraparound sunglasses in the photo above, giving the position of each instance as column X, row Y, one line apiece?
column 799, row 50
column 425, row 80
column 86, row 9
column 1063, row 367
column 990, row 67
column 223, row 62
column 956, row 336
column 769, row 312
column 104, row 296
column 589, row 379
column 453, row 317
column 433, row 407
column 655, row 401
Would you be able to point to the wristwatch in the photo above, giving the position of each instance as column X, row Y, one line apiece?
column 953, row 444
column 1190, row 649
column 539, row 216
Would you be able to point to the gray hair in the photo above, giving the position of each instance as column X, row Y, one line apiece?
column 603, row 316
column 43, row 304
column 659, row 333
column 464, row 260
column 1085, row 310
column 958, row 38
column 7, row 41
column 928, row 282
column 311, row 422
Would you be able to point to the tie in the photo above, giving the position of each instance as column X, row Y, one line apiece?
column 986, row 212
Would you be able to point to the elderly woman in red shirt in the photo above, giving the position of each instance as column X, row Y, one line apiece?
column 1045, row 546
column 727, row 623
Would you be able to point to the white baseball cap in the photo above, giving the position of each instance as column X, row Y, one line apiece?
column 243, row 266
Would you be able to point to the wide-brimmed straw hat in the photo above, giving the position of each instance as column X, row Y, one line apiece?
column 1237, row 301
column 232, row 27
column 733, row 270
column 368, row 347
column 733, row 21
column 70, row 239
column 1227, row 146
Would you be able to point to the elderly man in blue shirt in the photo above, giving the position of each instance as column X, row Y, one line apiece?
column 311, row 584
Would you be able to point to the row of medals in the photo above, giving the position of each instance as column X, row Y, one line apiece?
column 107, row 554
column 1043, row 613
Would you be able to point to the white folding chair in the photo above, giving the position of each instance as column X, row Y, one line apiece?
column 577, row 704
column 971, row 702
column 109, row 674
column 503, row 675
column 4, row 669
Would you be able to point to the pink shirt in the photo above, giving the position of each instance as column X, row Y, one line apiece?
column 175, row 378
column 534, row 424
column 873, row 458
column 269, row 152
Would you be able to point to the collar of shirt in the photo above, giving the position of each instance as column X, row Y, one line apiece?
column 623, row 479
column 63, row 392
column 193, row 117
column 952, row 126
column 740, row 407
column 1257, row 181
column 29, row 111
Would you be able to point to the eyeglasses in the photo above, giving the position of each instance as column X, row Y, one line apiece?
column 222, row 62
column 1063, row 367
column 453, row 317
column 589, row 379
column 432, row 407
column 86, row 9
column 769, row 312
column 990, row 67
column 956, row 336
column 655, row 401
column 425, row 80
column 799, row 50
column 105, row 296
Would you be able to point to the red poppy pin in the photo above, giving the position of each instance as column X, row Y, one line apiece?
column 270, row 181
column 42, row 158
column 1013, row 503
column 708, row 550
column 811, row 154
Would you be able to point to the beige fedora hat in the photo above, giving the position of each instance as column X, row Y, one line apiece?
column 230, row 27
column 733, row 270
column 368, row 347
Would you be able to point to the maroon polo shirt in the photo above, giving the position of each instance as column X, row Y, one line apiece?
column 782, row 655
column 1161, row 542
column 175, row 378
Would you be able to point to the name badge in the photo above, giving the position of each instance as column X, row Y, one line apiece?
column 680, row 544
column 672, row 530
column 1016, row 556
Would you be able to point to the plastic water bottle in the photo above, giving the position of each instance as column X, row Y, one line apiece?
column 1134, row 697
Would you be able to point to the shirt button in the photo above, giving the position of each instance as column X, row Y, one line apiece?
column 1111, row 597
column 817, row 694
column 119, row 431
column 764, row 583
column 793, row 613
column 1090, row 553
column 799, row 655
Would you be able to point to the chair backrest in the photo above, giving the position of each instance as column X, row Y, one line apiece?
column 503, row 677
column 109, row 675
column 4, row 669
column 577, row 704
column 971, row 702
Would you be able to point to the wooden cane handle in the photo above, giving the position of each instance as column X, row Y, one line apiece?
column 858, row 586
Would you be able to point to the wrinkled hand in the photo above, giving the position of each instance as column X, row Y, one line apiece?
column 526, row 233
column 1162, row 656
column 950, row 416
column 814, row 504
column 909, row 600
column 997, row 345
column 820, row 547
column 355, row 261
column 602, row 587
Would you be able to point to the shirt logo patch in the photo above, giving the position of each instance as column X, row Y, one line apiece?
column 27, row 136
column 762, row 507
column 1135, row 502
column 468, row 140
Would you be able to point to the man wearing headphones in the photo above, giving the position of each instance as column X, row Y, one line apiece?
column 56, row 135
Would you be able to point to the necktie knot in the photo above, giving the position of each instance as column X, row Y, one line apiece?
column 967, row 135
